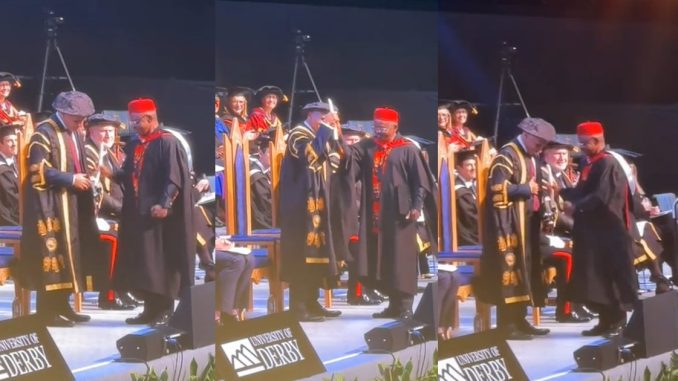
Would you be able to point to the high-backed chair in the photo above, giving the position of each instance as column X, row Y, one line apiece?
column 238, row 214
column 465, row 257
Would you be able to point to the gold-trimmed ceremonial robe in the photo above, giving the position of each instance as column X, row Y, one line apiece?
column 59, row 227
column 510, row 261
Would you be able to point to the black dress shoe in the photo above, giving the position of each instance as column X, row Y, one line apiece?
column 322, row 311
column 512, row 333
column 57, row 321
column 142, row 318
column 386, row 314
column 74, row 317
column 529, row 329
column 363, row 300
column 309, row 317
column 572, row 317
column 598, row 330
column 116, row 304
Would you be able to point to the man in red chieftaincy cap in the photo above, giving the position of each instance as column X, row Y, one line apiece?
column 397, row 188
column 157, row 240
column 602, row 275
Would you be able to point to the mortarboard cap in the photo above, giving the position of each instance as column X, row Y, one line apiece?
column 316, row 106
column 102, row 120
column 8, row 129
column 269, row 89
column 421, row 142
column 234, row 91
column 461, row 104
column 9, row 77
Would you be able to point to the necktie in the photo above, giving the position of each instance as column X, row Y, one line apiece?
column 533, row 175
column 74, row 153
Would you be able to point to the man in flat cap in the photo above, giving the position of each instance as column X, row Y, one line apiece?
column 157, row 236
column 307, row 251
column 510, row 262
column 602, row 275
column 397, row 187
column 101, row 132
column 9, row 180
column 59, row 227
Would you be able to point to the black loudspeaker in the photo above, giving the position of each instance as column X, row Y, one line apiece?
column 600, row 355
column 428, row 311
column 390, row 337
column 195, row 316
column 654, row 324
column 147, row 344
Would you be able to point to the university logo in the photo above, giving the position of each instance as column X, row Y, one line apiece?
column 243, row 357
column 449, row 370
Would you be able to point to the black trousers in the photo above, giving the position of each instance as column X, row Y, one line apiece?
column 400, row 301
column 50, row 303
column 303, row 297
column 448, row 285
column 511, row 314
column 234, row 272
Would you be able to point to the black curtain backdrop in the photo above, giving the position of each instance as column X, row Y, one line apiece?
column 117, row 51
column 571, row 70
column 360, row 57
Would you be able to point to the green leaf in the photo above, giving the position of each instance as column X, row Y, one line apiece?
column 647, row 375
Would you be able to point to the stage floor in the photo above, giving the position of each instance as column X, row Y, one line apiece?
column 337, row 340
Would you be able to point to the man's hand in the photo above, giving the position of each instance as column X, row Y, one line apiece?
column 158, row 211
column 105, row 171
column 455, row 147
column 81, row 182
column 413, row 215
column 534, row 187
column 202, row 186
column 223, row 243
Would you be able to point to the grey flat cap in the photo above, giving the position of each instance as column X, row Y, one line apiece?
column 539, row 128
column 316, row 106
column 73, row 103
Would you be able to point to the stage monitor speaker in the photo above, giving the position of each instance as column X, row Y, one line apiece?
column 600, row 355
column 654, row 324
column 195, row 316
column 428, row 311
column 147, row 344
column 390, row 337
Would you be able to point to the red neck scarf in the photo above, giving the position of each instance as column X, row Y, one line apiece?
column 139, row 152
column 380, row 159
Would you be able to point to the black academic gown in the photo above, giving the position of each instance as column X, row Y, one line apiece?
column 9, row 193
column 510, row 262
column 603, row 248
column 157, row 255
column 110, row 203
column 467, row 213
column 260, row 185
column 306, row 243
column 390, row 244
column 60, row 235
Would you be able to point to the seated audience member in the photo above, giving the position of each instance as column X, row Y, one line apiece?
column 466, row 195
column 234, row 272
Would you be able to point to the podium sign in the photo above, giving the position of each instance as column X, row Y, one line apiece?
column 476, row 357
column 272, row 347
column 27, row 352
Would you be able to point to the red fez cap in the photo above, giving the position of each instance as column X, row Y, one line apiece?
column 141, row 105
column 386, row 114
column 590, row 129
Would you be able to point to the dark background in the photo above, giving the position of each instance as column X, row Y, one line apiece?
column 118, row 50
column 613, row 63
column 360, row 57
